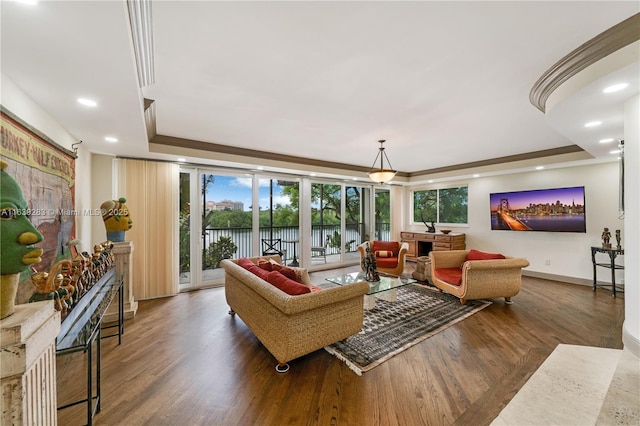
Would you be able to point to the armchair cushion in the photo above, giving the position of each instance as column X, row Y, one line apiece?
column 450, row 275
column 392, row 246
column 483, row 255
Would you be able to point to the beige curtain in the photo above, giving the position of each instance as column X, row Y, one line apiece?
column 151, row 190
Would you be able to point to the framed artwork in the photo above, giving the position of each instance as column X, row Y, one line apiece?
column 550, row 210
column 46, row 174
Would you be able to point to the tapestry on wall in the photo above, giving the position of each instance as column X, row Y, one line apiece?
column 46, row 174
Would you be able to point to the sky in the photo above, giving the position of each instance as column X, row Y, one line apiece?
column 521, row 199
column 239, row 189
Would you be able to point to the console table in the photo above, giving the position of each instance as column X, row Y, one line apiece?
column 82, row 328
column 421, row 243
column 613, row 253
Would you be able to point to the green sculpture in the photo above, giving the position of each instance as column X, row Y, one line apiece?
column 17, row 236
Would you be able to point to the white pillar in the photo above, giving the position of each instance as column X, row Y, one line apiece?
column 28, row 365
column 123, row 252
column 631, row 241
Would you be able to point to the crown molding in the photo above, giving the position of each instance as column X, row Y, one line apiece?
column 604, row 44
column 142, row 34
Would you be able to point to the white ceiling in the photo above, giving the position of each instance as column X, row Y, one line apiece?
column 444, row 83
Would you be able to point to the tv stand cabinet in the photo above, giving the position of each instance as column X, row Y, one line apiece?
column 422, row 243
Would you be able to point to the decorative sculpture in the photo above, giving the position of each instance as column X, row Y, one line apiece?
column 618, row 239
column 431, row 229
column 117, row 219
column 606, row 237
column 369, row 265
column 18, row 237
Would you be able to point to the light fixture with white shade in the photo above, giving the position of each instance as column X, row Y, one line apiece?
column 381, row 175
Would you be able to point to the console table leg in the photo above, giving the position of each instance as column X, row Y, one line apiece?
column 613, row 274
column 90, row 384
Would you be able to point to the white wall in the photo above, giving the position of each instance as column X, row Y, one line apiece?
column 19, row 103
column 569, row 253
column 101, row 190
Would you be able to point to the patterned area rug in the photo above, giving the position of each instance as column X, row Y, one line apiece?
column 391, row 327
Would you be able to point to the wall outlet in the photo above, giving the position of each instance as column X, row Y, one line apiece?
column 547, row 262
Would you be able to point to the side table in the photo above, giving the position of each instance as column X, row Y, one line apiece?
column 613, row 253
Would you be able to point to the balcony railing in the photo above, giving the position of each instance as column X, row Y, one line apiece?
column 243, row 237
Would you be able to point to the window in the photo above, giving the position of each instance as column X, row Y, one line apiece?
column 448, row 205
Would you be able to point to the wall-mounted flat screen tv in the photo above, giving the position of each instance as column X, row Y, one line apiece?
column 550, row 210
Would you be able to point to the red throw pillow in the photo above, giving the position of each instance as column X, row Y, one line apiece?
column 258, row 271
column 265, row 264
column 392, row 246
column 483, row 255
column 290, row 273
column 287, row 285
column 384, row 253
column 449, row 275
column 244, row 262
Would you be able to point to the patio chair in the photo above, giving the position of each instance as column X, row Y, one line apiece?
column 321, row 251
column 273, row 246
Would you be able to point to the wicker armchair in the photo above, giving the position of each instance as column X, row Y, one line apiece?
column 452, row 272
column 393, row 264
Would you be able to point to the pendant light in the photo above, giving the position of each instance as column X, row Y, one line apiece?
column 381, row 175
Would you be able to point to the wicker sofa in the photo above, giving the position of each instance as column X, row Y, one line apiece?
column 451, row 271
column 293, row 326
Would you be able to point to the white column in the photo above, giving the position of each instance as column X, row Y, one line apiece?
column 631, row 239
column 123, row 252
column 28, row 365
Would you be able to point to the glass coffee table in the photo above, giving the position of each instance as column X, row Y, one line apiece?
column 385, row 289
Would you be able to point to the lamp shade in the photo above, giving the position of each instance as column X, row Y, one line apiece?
column 381, row 174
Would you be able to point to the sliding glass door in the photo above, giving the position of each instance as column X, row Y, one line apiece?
column 279, row 216
column 340, row 220
column 215, row 223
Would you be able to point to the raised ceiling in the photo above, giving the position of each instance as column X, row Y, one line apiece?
column 445, row 83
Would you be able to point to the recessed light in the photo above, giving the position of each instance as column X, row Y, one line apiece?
column 111, row 139
column 28, row 2
column 476, row 175
column 615, row 88
column 593, row 124
column 182, row 160
column 260, row 168
column 87, row 102
column 615, row 151
column 540, row 168
column 312, row 174
column 607, row 140
column 430, row 181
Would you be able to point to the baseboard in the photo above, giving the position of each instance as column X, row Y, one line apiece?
column 562, row 278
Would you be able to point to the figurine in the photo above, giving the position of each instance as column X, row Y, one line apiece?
column 606, row 237
column 369, row 265
column 18, row 237
column 618, row 239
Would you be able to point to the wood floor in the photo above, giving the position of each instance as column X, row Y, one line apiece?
column 184, row 361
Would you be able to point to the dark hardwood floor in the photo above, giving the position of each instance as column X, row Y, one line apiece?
column 185, row 361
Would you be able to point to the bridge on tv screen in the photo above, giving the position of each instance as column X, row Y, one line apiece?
column 507, row 217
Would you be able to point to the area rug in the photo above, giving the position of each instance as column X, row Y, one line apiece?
column 391, row 327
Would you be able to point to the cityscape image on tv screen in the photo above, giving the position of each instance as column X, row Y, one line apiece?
column 551, row 210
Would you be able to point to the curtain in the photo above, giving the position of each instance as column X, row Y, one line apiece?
column 151, row 190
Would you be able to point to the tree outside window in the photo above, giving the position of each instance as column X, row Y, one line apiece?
column 448, row 205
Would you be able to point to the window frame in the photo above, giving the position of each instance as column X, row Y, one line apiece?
column 437, row 221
